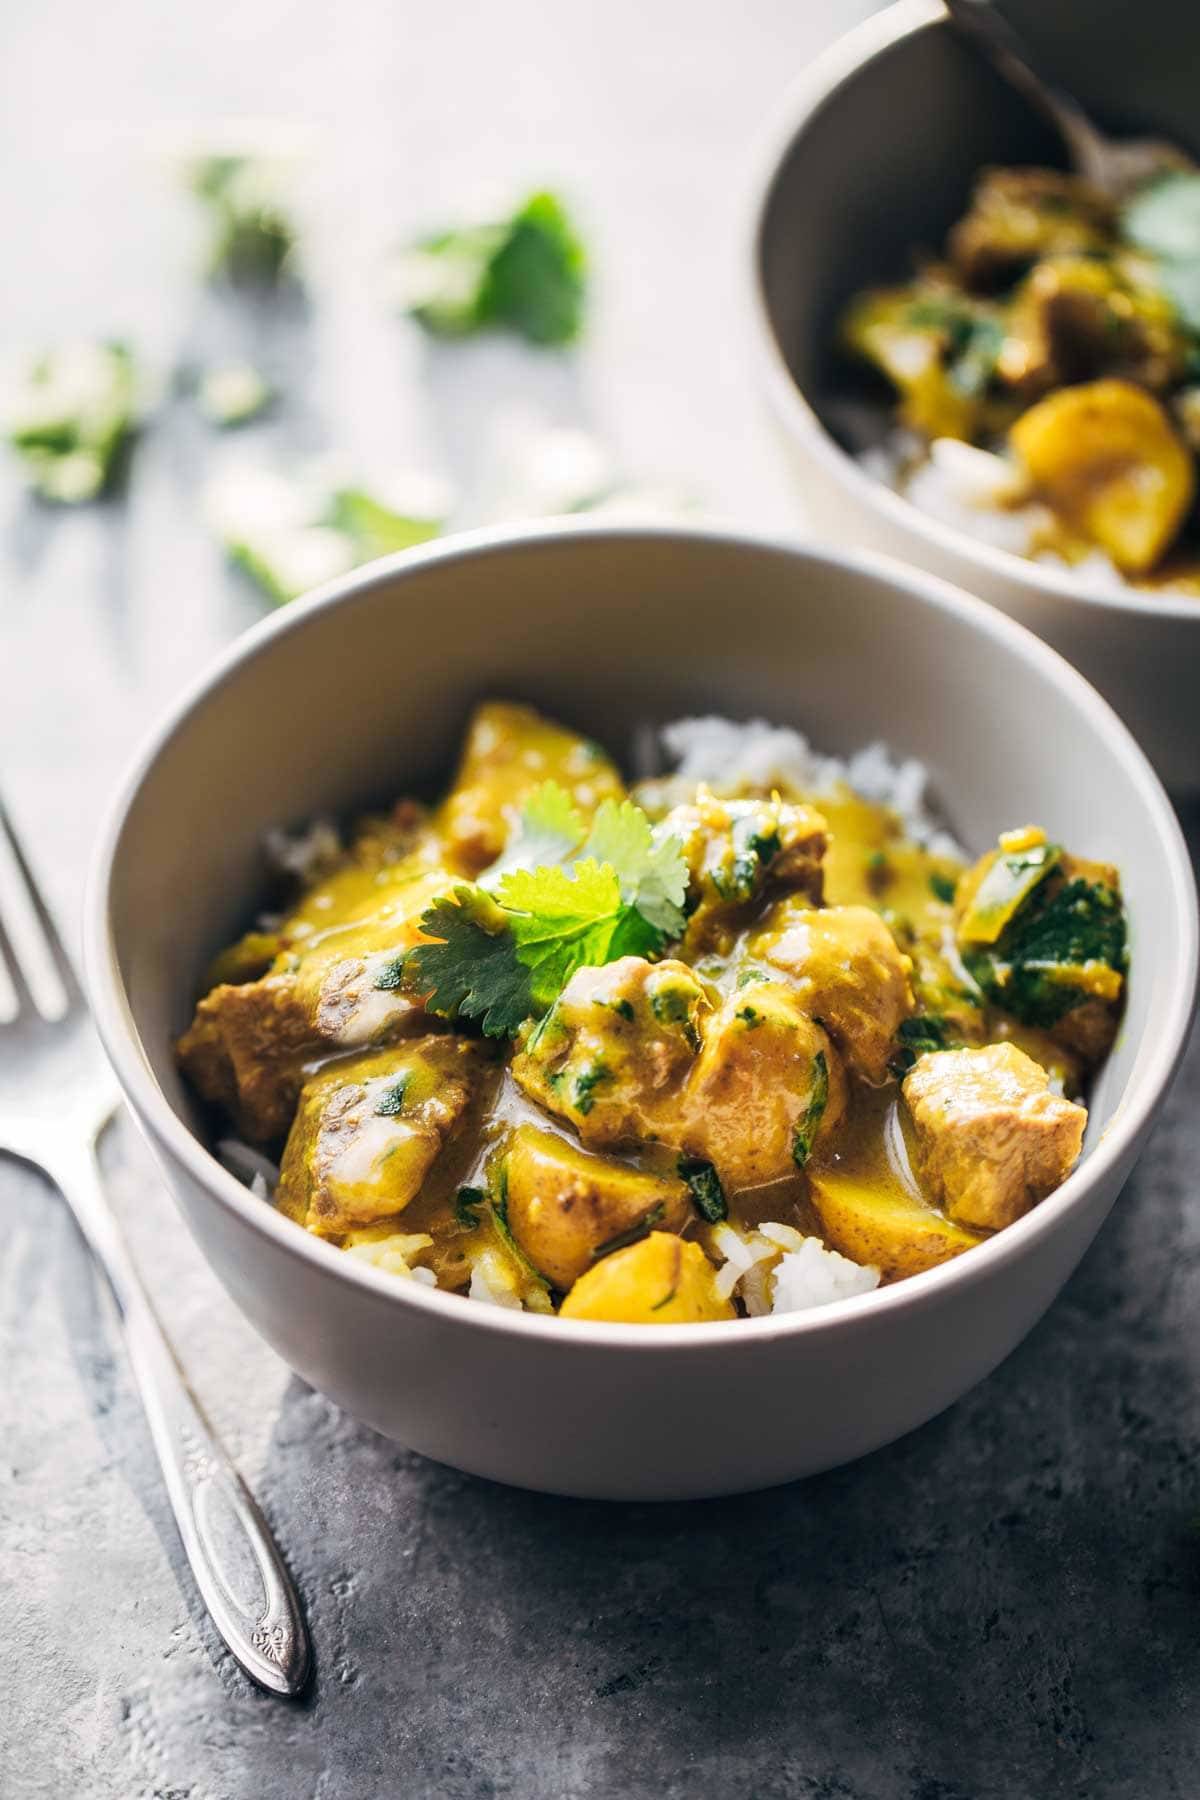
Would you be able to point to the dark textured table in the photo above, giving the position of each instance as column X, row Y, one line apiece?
column 1003, row 1605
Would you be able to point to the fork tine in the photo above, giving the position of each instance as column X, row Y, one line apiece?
column 16, row 995
column 54, row 955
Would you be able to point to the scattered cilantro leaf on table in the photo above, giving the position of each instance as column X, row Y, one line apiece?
column 71, row 416
column 526, row 273
column 252, row 233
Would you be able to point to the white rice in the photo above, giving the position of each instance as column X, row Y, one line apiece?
column 395, row 1255
column 494, row 1282
column 984, row 496
column 815, row 1276
column 258, row 1172
column 729, row 755
column 777, row 1269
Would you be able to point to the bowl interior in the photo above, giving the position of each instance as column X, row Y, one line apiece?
column 363, row 694
column 885, row 162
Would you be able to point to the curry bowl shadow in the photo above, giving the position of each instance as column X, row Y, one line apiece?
column 360, row 691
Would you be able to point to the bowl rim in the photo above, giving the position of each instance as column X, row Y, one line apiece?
column 174, row 1140
column 802, row 101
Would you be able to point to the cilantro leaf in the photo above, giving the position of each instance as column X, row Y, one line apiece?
column 806, row 1130
column 548, row 828
column 707, row 1191
column 535, row 282
column 505, row 955
column 253, row 235
column 916, row 1037
column 1045, row 963
column 1163, row 219
column 71, row 418
column 525, row 273
column 652, row 872
column 563, row 920
column 1163, row 216
column 472, row 970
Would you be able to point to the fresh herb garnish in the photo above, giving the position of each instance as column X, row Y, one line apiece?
column 504, row 958
column 293, row 532
column 468, row 1204
column 253, row 236
column 1060, row 949
column 498, row 1206
column 943, row 887
column 918, row 1036
column 586, row 1082
column 392, row 1101
column 973, row 341
column 71, row 418
column 525, row 274
column 473, row 970
column 1163, row 219
column 806, row 1130
column 707, row 1192
column 549, row 827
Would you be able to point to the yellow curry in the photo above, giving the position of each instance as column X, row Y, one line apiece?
column 1061, row 330
column 663, row 1055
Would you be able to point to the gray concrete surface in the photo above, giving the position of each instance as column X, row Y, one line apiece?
column 1003, row 1607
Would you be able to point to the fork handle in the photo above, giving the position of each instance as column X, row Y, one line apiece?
column 238, row 1569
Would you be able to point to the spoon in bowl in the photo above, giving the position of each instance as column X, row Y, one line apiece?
column 1116, row 166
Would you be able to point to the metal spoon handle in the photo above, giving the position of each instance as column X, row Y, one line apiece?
column 238, row 1569
column 979, row 20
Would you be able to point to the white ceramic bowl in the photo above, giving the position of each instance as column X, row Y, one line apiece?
column 874, row 154
column 360, row 692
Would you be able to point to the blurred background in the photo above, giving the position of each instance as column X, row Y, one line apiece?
column 384, row 123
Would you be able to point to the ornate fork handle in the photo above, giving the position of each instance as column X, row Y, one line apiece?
column 238, row 1569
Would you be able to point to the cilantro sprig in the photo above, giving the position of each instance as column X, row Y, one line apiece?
column 562, row 897
column 525, row 273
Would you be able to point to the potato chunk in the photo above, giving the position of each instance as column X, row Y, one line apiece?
column 992, row 1138
column 612, row 1053
column 768, row 1086
column 368, row 1131
column 660, row 1281
column 896, row 331
column 509, row 751
column 1107, row 458
column 634, row 1053
column 846, row 969
column 565, row 1205
column 737, row 851
column 884, row 1228
column 332, row 989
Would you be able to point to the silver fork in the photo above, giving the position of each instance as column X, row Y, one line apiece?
column 56, row 1097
